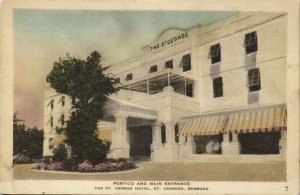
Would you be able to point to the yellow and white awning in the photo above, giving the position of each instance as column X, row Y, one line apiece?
column 205, row 125
column 271, row 118
column 263, row 120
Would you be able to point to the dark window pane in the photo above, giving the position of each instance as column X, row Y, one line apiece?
column 52, row 104
column 163, row 134
column 117, row 80
column 169, row 64
column 186, row 62
column 251, row 42
column 62, row 119
column 129, row 77
column 63, row 100
column 215, row 53
column 176, row 134
column 218, row 87
column 153, row 69
column 189, row 90
column 254, row 79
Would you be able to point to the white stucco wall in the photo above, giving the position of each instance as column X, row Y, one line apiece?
column 56, row 112
column 270, row 59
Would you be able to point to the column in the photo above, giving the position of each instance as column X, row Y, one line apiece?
column 69, row 151
column 187, row 145
column 170, row 133
column 113, row 143
column 190, row 145
column 282, row 144
column 230, row 147
column 170, row 148
column 156, row 145
column 120, row 145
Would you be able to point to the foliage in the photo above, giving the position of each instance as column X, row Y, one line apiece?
column 27, row 141
column 60, row 153
column 86, row 166
column 109, row 166
column 21, row 159
column 86, row 84
column 55, row 166
column 70, row 165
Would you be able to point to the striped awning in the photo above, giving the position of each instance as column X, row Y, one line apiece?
column 269, row 119
column 272, row 118
column 205, row 125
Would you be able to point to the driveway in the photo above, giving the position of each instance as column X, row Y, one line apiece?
column 171, row 171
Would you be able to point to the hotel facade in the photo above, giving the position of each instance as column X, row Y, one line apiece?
column 212, row 93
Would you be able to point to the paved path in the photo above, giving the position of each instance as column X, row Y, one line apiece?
column 173, row 171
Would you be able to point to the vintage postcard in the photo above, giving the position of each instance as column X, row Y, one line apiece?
column 149, row 97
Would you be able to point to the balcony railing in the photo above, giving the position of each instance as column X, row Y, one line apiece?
column 155, row 82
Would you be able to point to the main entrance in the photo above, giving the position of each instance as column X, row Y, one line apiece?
column 140, row 139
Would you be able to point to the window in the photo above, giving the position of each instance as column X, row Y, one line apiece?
column 254, row 79
column 50, row 144
column 62, row 119
column 117, row 80
column 153, row 69
column 251, row 42
column 169, row 64
column 52, row 104
column 163, row 134
column 189, row 90
column 186, row 62
column 176, row 134
column 51, row 121
column 63, row 100
column 215, row 53
column 218, row 87
column 129, row 77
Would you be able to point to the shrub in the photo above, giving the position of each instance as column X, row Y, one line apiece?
column 70, row 165
column 116, row 160
column 55, row 166
column 46, row 159
column 114, row 166
column 86, row 166
column 60, row 153
column 20, row 159
column 102, row 167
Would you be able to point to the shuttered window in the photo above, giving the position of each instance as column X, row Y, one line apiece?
column 215, row 53
column 251, row 42
column 186, row 62
column 254, row 79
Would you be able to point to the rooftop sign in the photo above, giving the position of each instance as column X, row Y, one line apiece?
column 169, row 41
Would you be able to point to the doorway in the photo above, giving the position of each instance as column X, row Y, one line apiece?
column 140, row 139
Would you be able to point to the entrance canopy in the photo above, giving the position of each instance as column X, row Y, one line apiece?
column 155, row 82
column 261, row 119
column 113, row 106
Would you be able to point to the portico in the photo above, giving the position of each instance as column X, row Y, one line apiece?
column 120, row 112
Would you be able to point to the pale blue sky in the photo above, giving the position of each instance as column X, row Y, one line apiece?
column 42, row 36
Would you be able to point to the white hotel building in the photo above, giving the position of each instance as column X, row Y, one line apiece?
column 213, row 93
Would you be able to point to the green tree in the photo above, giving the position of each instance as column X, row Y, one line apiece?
column 60, row 153
column 27, row 141
column 85, row 82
